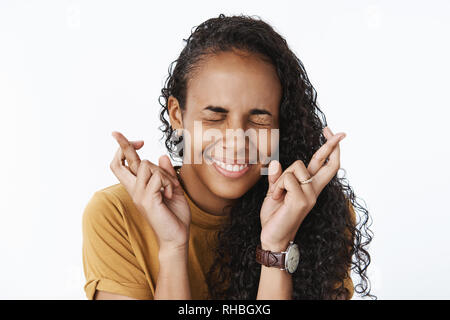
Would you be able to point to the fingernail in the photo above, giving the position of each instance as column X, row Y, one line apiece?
column 272, row 167
column 342, row 136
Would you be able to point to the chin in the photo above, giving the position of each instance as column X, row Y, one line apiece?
column 232, row 187
column 229, row 192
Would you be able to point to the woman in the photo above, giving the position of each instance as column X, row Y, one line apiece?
column 220, row 228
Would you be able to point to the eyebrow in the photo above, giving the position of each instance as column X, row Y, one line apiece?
column 220, row 109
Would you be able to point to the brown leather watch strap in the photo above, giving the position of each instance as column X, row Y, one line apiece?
column 269, row 258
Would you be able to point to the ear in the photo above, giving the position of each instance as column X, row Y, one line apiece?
column 175, row 114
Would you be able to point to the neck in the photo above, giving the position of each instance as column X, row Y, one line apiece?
column 201, row 195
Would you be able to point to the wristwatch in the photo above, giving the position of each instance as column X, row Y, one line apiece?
column 285, row 260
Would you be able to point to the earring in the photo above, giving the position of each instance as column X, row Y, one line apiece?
column 177, row 133
column 177, row 142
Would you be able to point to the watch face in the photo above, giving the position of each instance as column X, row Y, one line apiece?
column 292, row 258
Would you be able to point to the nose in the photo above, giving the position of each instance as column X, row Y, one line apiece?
column 230, row 136
column 235, row 129
column 234, row 138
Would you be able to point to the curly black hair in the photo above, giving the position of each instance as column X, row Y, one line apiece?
column 327, row 250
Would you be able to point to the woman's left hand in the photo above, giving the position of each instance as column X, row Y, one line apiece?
column 288, row 201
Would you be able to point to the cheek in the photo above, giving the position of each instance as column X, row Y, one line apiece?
column 196, row 141
column 267, row 143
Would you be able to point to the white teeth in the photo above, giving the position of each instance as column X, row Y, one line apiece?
column 230, row 167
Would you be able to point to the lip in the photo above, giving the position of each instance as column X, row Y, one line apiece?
column 231, row 174
column 232, row 161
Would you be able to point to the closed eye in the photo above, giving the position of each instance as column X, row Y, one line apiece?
column 214, row 120
column 260, row 124
column 260, row 119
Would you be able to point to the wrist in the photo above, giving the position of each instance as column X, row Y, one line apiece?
column 173, row 254
column 274, row 246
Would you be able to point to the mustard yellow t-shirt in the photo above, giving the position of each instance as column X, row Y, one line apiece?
column 120, row 249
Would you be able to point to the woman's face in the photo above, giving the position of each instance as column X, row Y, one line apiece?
column 232, row 99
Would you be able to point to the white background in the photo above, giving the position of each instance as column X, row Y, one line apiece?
column 73, row 71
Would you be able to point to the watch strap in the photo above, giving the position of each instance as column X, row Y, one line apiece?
column 269, row 258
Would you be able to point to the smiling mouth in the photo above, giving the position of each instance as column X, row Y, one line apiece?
column 230, row 170
column 230, row 167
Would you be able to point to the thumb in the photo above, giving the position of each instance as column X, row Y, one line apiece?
column 274, row 173
column 164, row 162
column 137, row 144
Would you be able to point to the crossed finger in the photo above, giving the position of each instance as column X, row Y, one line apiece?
column 320, row 174
column 319, row 157
column 300, row 172
column 324, row 173
column 129, row 152
column 125, row 176
column 158, row 182
column 152, row 179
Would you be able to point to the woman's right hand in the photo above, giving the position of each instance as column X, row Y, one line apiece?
column 156, row 192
